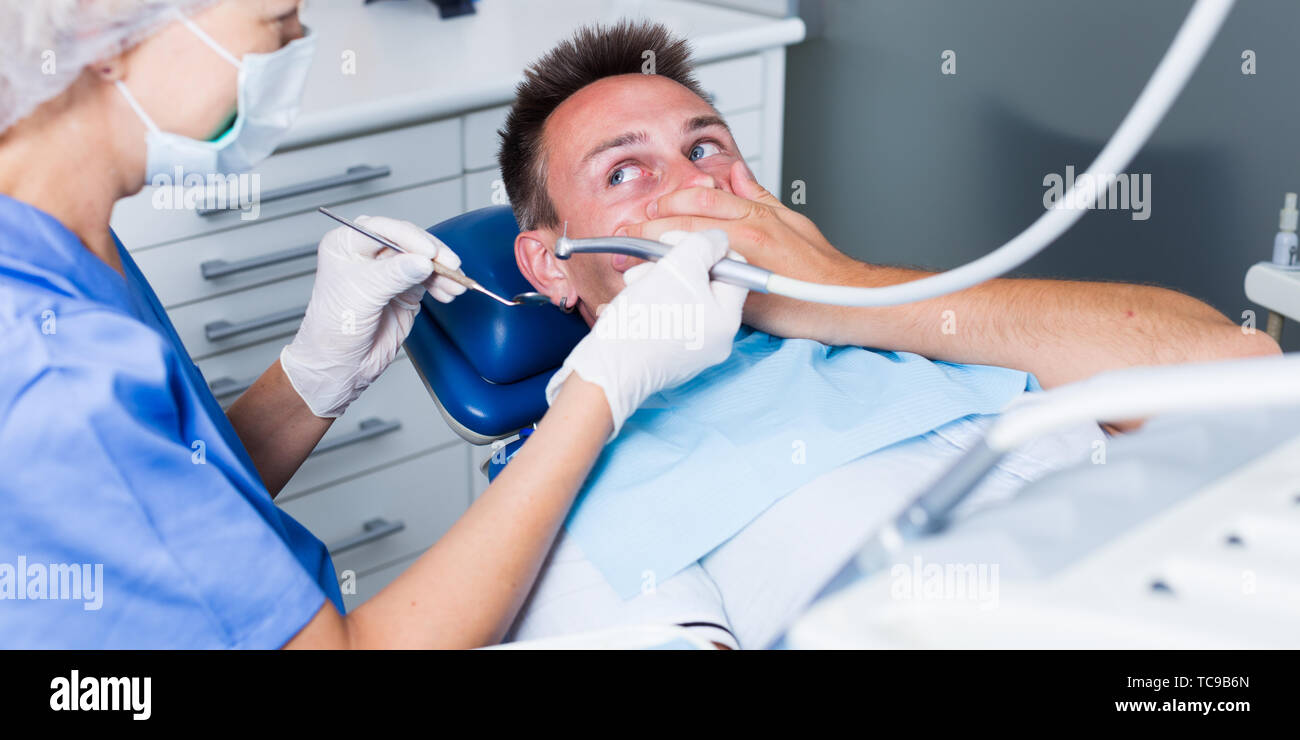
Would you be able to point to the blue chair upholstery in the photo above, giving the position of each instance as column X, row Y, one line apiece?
column 486, row 365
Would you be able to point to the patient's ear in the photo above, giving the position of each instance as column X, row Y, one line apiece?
column 537, row 263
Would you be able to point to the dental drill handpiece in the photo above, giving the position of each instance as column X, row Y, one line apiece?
column 727, row 270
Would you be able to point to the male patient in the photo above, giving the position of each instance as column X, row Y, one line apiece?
column 595, row 143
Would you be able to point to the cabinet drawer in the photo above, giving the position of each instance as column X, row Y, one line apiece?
column 424, row 495
column 485, row 188
column 379, row 163
column 394, row 419
column 734, row 84
column 228, row 261
column 481, row 140
column 229, row 374
column 242, row 319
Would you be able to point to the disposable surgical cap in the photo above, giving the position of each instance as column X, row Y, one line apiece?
column 44, row 44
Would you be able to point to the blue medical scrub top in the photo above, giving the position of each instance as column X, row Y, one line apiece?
column 130, row 513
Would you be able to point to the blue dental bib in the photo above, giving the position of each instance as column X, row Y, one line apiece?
column 698, row 462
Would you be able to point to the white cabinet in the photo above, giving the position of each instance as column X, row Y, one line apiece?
column 386, row 516
column 390, row 476
column 733, row 84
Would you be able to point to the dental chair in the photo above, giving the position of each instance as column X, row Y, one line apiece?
column 485, row 364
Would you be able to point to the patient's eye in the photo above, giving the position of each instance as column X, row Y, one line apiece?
column 624, row 174
column 704, row 149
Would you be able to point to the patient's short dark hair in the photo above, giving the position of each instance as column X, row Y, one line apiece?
column 592, row 54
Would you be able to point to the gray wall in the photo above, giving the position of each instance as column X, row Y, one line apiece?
column 904, row 165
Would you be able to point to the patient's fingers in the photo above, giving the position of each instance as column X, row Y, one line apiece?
column 745, row 237
column 701, row 201
column 747, row 186
column 655, row 230
column 750, row 200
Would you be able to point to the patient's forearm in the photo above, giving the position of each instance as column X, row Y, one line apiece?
column 465, row 591
column 1061, row 331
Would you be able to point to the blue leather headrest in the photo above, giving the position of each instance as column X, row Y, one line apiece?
column 486, row 364
column 503, row 344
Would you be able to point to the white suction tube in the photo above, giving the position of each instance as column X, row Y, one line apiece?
column 1116, row 395
column 1180, row 61
column 1140, row 392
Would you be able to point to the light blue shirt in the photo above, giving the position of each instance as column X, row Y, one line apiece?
column 130, row 514
column 698, row 462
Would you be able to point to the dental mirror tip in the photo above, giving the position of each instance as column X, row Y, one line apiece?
column 531, row 298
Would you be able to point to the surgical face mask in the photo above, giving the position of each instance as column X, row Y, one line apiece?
column 270, row 89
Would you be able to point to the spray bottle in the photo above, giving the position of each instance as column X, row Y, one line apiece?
column 1286, row 248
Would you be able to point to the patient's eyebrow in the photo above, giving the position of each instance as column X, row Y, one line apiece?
column 640, row 137
column 618, row 142
column 699, row 122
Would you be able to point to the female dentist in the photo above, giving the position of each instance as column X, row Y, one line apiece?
column 133, row 511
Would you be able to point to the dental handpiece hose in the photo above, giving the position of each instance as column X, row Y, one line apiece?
column 1157, row 97
column 1171, row 75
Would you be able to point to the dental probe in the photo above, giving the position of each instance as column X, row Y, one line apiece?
column 454, row 275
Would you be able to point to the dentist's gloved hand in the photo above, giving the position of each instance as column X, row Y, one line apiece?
column 632, row 368
column 362, row 307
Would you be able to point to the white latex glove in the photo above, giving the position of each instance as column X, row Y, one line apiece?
column 630, row 364
column 362, row 307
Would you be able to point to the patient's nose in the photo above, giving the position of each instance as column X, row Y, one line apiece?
column 701, row 179
column 686, row 174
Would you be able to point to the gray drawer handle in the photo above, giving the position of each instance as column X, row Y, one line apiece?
column 224, row 387
column 371, row 531
column 367, row 429
column 213, row 269
column 351, row 176
column 222, row 329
